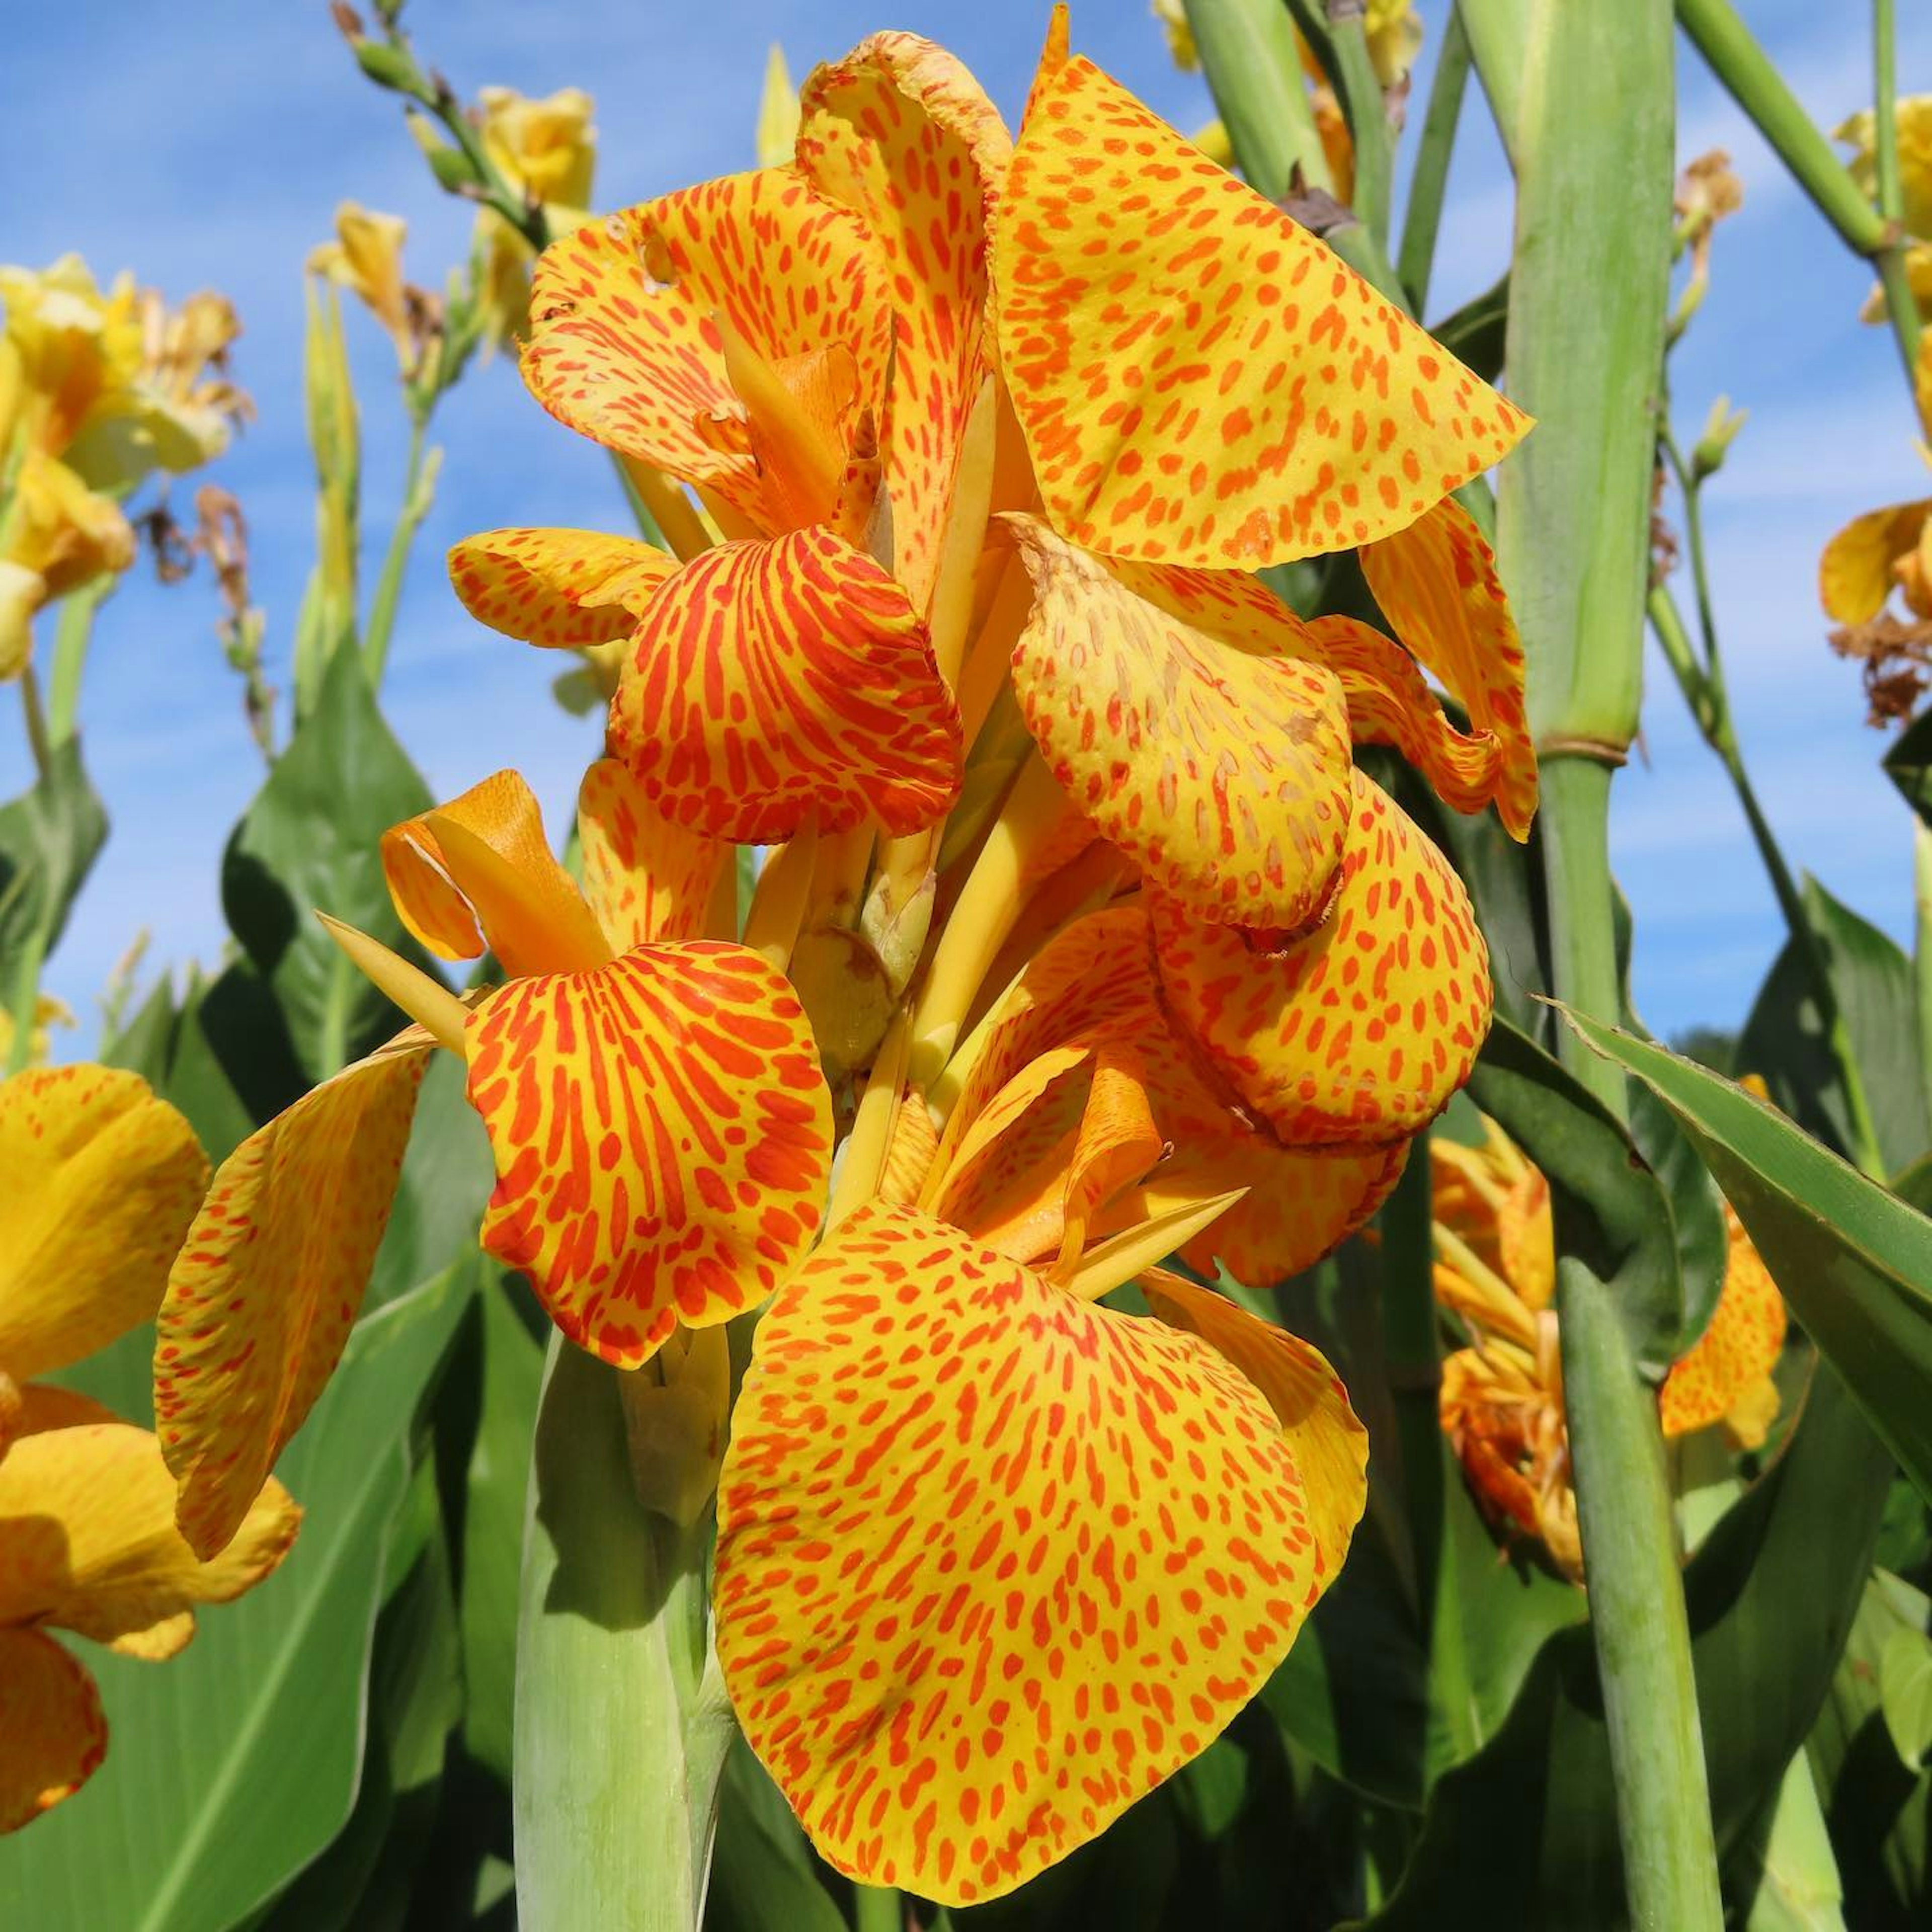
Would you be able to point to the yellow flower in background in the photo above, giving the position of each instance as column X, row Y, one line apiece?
column 68, row 347
column 184, row 369
column 1394, row 31
column 366, row 258
column 777, row 132
column 1912, row 116
column 546, row 151
column 49, row 1012
column 55, row 535
column 1172, row 14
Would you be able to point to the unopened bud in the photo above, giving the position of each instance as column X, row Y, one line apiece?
column 1720, row 429
column 387, row 66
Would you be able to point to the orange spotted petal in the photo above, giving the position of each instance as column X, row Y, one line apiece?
column 774, row 680
column 1360, row 1029
column 662, row 1136
column 645, row 878
column 1855, row 571
column 1182, row 722
column 1437, row 583
column 557, row 587
column 479, row 871
column 1738, row 1348
column 99, row 1180
column 900, row 131
column 1201, row 381
column 625, row 344
column 992, row 1562
column 50, row 1718
column 268, row 1283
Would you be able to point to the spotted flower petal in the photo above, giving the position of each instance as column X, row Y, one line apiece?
column 772, row 681
column 1176, row 713
column 644, row 877
column 557, row 587
column 269, row 1282
column 1360, row 1029
column 99, row 1180
column 50, row 1718
column 992, row 1562
column 662, row 1136
column 1201, row 381
column 1855, row 573
column 1736, row 1352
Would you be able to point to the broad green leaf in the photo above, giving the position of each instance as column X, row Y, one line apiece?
column 1784, row 1875
column 1909, row 766
column 1475, row 331
column 763, row 1874
column 447, row 1177
column 143, row 1045
column 311, row 839
column 1854, row 1262
column 231, row 1766
column 1211, row 1789
column 1905, row 1694
column 49, row 838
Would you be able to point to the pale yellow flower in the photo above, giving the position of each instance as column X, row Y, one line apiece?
column 68, row 348
column 1913, row 117
column 1172, row 15
column 366, row 257
column 546, row 151
column 778, row 113
column 58, row 534
column 49, row 1012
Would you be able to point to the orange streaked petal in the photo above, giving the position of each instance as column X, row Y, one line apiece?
column 1188, row 732
column 645, row 878
column 557, row 588
column 101, row 1179
column 50, row 1718
column 774, row 680
column 910, row 1151
column 992, row 1562
column 479, row 871
column 662, row 1136
column 1738, row 1348
column 1854, row 572
column 1360, row 1029
column 625, row 345
column 901, row 132
column 1201, row 381
column 1329, row 1444
column 268, row 1283
column 1437, row 583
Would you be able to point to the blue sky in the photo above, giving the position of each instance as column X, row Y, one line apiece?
column 207, row 143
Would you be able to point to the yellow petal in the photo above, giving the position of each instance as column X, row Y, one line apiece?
column 54, row 1734
column 1855, row 573
column 268, row 1282
column 992, row 1562
column 662, row 1136
column 557, row 588
column 1178, row 714
column 777, row 131
column 1736, row 1352
column 1200, row 380
column 99, row 1180
column 644, row 877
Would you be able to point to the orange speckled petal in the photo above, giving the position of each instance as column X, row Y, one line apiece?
column 268, row 1283
column 1437, row 583
column 557, row 587
column 911, row 1152
column 662, row 1136
column 992, row 1562
column 99, row 1180
column 1360, row 1029
column 1200, row 380
column 773, row 680
column 1854, row 572
column 51, row 1719
column 479, row 871
column 1193, row 738
column 1736, row 1350
column 1329, row 1444
column 645, row 878
column 900, row 131
column 624, row 340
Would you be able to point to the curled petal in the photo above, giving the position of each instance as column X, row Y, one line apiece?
column 268, row 1283
column 1201, row 381
column 478, row 871
column 772, row 681
column 51, row 1719
column 992, row 1562
column 1359, row 1030
column 1854, row 572
column 557, row 587
column 1177, row 717
column 101, row 1181
column 645, row 878
column 1436, row 581
column 1736, row 1352
column 662, row 1136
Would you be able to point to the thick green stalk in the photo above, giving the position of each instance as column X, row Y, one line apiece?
column 1498, row 31
column 1361, row 92
column 419, row 476
column 1414, row 1365
column 72, row 634
column 1430, row 180
column 1901, row 305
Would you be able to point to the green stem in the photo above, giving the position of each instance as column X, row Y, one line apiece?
column 1901, row 305
column 34, row 716
column 419, row 489
column 1498, row 31
column 1922, row 950
column 1415, row 1366
column 71, row 637
column 1429, row 182
column 877, row 1908
column 1361, row 95
column 23, row 1003
column 1249, row 55
column 1574, row 820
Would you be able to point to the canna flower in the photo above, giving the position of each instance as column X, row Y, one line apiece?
column 546, row 151
column 1912, row 118
column 56, row 536
column 365, row 257
column 49, row 1012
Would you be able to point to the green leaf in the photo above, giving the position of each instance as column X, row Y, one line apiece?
column 312, row 839
column 49, row 838
column 1905, row 1694
column 1475, row 332
column 763, row 1874
column 1211, row 1789
column 1854, row 1262
column 579, row 692
column 446, row 1180
column 1909, row 766
column 231, row 1766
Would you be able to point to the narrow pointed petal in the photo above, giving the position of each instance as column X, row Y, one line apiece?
column 1735, row 1352
column 909, row 1152
column 899, row 131
column 268, row 1282
column 625, row 345
column 771, row 681
column 1201, row 381
column 50, row 1717
column 557, row 588
column 1359, row 1030
column 478, row 871
column 645, row 878
column 992, row 1562
column 662, row 1136
column 1186, row 729
column 1437, row 583
column 101, row 1181
column 1854, row 572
